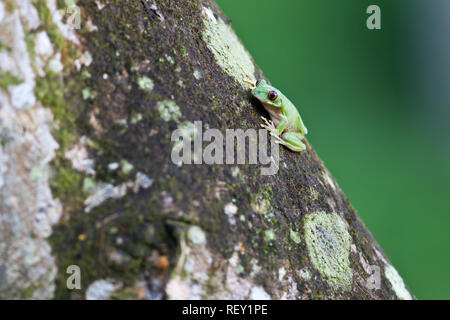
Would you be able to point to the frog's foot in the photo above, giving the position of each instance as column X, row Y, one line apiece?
column 292, row 140
column 269, row 126
column 248, row 80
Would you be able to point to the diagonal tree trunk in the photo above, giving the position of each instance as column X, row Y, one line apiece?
column 87, row 178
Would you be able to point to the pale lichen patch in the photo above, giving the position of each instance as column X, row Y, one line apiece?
column 230, row 210
column 100, row 290
column 66, row 30
column 43, row 45
column 197, row 74
column 290, row 292
column 2, row 11
column 29, row 14
column 43, row 50
column 87, row 94
column 142, row 180
column 78, row 155
column 328, row 179
column 88, row 185
column 223, row 282
column 380, row 256
column 295, row 236
column 170, row 59
column 168, row 110
column 99, row 4
column 305, row 274
column 207, row 13
column 261, row 205
column 229, row 52
column 27, row 268
column 397, row 283
column 91, row 26
column 126, row 166
column 281, row 273
column 256, row 268
column 113, row 166
column 178, row 289
column 269, row 235
column 55, row 65
column 196, row 235
column 86, row 59
column 328, row 242
column 145, row 83
column 158, row 12
column 258, row 293
column 22, row 95
column 136, row 118
column 102, row 191
column 235, row 172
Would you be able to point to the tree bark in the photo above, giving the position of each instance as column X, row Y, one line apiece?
column 87, row 180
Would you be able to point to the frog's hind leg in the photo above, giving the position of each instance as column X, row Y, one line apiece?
column 293, row 141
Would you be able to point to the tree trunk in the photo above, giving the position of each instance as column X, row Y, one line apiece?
column 87, row 177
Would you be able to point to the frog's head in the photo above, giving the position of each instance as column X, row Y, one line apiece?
column 265, row 93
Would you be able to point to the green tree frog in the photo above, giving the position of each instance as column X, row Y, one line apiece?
column 285, row 125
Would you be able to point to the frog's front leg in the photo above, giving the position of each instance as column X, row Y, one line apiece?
column 251, row 82
column 275, row 130
column 292, row 140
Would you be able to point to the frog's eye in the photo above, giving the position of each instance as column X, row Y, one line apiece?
column 272, row 95
column 258, row 82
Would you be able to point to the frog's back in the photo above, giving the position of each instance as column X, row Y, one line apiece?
column 291, row 112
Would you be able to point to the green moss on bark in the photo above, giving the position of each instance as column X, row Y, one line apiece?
column 7, row 79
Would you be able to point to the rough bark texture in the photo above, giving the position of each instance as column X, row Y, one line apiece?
column 86, row 179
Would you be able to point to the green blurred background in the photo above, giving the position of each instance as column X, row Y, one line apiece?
column 377, row 106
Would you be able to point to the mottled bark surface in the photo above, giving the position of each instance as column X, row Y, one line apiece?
column 86, row 176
